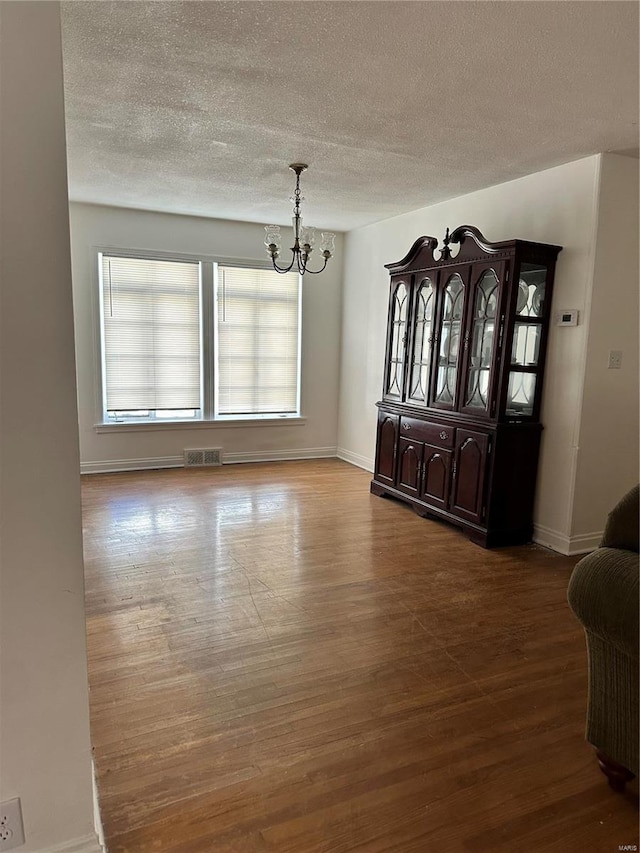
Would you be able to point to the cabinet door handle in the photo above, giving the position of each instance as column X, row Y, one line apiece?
column 444, row 435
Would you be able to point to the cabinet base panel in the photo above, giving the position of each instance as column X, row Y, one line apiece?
column 379, row 491
column 485, row 537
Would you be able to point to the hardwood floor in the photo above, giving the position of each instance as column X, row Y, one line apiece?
column 280, row 661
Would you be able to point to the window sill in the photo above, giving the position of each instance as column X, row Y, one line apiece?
column 235, row 423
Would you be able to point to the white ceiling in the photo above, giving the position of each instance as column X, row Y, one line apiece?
column 198, row 107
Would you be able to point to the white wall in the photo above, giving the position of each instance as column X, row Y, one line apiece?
column 44, row 738
column 556, row 206
column 608, row 440
column 96, row 226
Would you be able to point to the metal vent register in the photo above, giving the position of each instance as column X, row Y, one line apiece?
column 202, row 456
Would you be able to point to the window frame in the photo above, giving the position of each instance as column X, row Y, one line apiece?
column 208, row 347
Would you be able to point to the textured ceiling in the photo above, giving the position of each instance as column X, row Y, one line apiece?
column 198, row 107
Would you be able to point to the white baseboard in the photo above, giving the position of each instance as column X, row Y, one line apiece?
column 152, row 463
column 581, row 543
column 87, row 844
column 279, row 455
column 549, row 538
column 115, row 465
column 355, row 459
column 97, row 819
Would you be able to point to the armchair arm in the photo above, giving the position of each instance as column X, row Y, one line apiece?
column 603, row 594
column 621, row 530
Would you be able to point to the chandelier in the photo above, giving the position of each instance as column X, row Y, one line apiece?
column 304, row 236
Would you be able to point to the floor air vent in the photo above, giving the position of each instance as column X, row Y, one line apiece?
column 205, row 456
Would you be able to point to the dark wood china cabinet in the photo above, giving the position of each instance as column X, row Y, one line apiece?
column 458, row 423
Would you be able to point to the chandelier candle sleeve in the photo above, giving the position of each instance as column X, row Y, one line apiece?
column 304, row 236
column 273, row 240
column 328, row 242
column 307, row 237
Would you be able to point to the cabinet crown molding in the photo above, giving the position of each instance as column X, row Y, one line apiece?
column 473, row 246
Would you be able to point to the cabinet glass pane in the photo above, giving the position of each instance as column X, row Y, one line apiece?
column 531, row 290
column 483, row 330
column 526, row 344
column 449, row 340
column 522, row 388
column 420, row 362
column 398, row 339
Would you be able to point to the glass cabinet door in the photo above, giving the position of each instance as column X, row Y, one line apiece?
column 398, row 340
column 482, row 332
column 527, row 338
column 449, row 342
column 420, row 371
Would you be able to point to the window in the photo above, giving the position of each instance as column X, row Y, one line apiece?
column 257, row 342
column 151, row 338
column 194, row 340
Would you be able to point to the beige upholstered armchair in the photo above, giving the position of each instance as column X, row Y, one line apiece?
column 603, row 594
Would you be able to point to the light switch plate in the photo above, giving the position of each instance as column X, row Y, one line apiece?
column 615, row 359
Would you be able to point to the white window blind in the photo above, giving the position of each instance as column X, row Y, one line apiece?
column 151, row 334
column 258, row 342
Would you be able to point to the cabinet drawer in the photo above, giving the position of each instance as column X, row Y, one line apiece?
column 434, row 434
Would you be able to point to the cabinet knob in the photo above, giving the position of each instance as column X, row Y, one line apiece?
column 406, row 426
column 444, row 435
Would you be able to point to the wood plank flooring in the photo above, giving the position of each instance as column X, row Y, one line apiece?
column 281, row 662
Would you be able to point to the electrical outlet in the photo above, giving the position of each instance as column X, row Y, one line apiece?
column 615, row 359
column 11, row 831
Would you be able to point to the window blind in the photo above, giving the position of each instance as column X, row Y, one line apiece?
column 258, row 319
column 151, row 328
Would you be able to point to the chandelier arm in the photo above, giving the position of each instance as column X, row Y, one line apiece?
column 315, row 272
column 283, row 269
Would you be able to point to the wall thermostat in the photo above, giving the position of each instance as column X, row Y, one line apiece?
column 568, row 317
